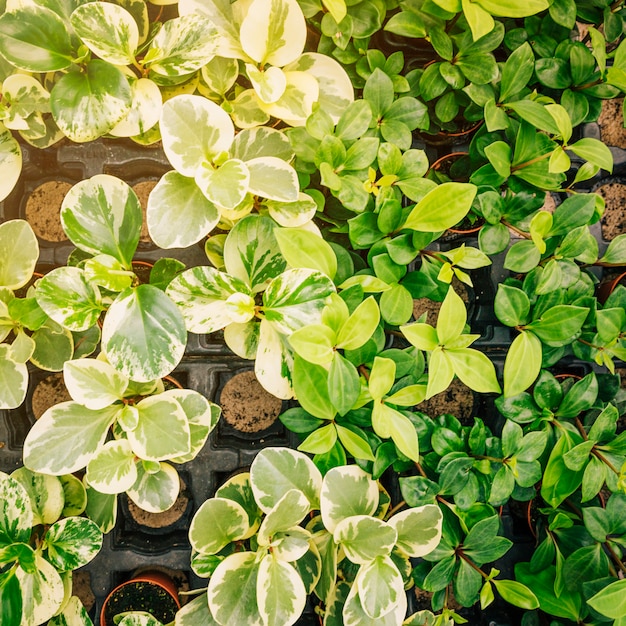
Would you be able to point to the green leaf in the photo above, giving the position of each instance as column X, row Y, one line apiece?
column 560, row 324
column 517, row 594
column 42, row 590
column 19, row 252
column 517, row 71
column 474, row 369
column 593, row 151
column 16, row 516
column 109, row 31
column 382, row 377
column 511, row 305
column 428, row 214
column 320, row 441
column 536, row 114
column 10, row 598
column 73, row 542
column 35, row 39
column 610, row 601
column 343, row 384
column 88, row 104
column 280, row 591
column 357, row 446
column 558, row 480
column 113, row 469
column 225, row 186
column 302, row 248
column 144, row 335
column 522, row 364
column 218, row 522
column 314, row 343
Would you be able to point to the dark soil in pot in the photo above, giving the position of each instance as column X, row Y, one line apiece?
column 246, row 405
column 48, row 392
column 43, row 207
column 432, row 307
column 611, row 123
column 140, row 595
column 613, row 220
column 81, row 588
column 458, row 400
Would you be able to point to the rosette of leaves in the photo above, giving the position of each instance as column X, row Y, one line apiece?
column 471, row 465
column 219, row 177
column 257, row 298
column 510, row 150
column 31, row 336
column 152, row 428
column 42, row 540
column 578, row 416
column 109, row 62
column 449, row 351
column 143, row 332
column 469, row 541
column 576, row 568
column 333, row 556
column 414, row 19
column 268, row 37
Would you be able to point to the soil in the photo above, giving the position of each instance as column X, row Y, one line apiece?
column 81, row 588
column 143, row 189
column 140, row 596
column 50, row 391
column 246, row 406
column 549, row 204
column 432, row 307
column 457, row 400
column 164, row 519
column 43, row 207
column 611, row 123
column 614, row 218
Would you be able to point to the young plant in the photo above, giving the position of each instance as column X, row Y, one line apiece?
column 42, row 540
column 152, row 428
column 333, row 556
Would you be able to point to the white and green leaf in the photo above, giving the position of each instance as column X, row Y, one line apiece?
column 113, row 469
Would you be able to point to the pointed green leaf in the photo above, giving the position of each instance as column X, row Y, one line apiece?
column 302, row 248
column 522, row 364
column 441, row 208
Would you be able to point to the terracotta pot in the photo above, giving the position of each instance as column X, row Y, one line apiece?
column 442, row 164
column 157, row 583
column 444, row 138
column 605, row 289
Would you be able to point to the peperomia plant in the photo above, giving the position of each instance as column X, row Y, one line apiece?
column 263, row 563
column 152, row 428
column 143, row 332
column 42, row 540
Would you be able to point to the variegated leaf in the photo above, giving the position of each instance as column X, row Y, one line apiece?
column 219, row 75
column 69, row 299
column 288, row 512
column 271, row 177
column 113, row 469
column 226, row 185
column 232, row 591
column 273, row 364
column 296, row 103
column 200, row 294
column 183, row 45
column 102, row 215
column 194, row 130
column 292, row 214
column 179, row 214
column 291, row 545
column 40, row 136
column 26, row 96
column 19, row 251
column 101, row 508
column 54, row 346
column 275, row 471
column 155, row 492
column 35, row 39
column 380, row 587
column 75, row 495
column 73, row 614
column 145, row 109
column 295, row 299
column 22, row 347
column 246, row 110
column 16, row 514
column 86, row 105
column 195, row 613
column 419, row 529
column 47, row 498
column 335, row 87
column 139, row 619
column 254, row 143
column 42, row 592
column 66, row 437
column 238, row 489
column 13, row 380
column 144, row 334
column 72, row 542
column 251, row 252
column 280, row 592
column 309, row 566
column 222, row 14
column 218, row 522
column 243, row 339
column 108, row 30
column 162, row 431
column 202, row 417
column 364, row 538
column 347, row 491
column 269, row 83
column 94, row 383
column 10, row 162
column 354, row 614
column 273, row 32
